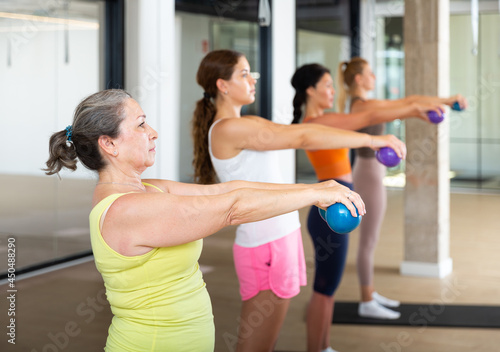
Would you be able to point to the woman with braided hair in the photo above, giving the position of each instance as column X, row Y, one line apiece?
column 268, row 255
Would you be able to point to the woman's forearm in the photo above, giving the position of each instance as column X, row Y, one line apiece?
column 190, row 189
column 318, row 136
column 402, row 111
column 257, row 204
column 169, row 220
column 254, row 204
column 232, row 185
column 428, row 99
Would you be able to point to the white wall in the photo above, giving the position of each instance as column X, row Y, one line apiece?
column 475, row 77
column 478, row 79
column 489, row 86
column 368, row 30
column 328, row 50
column 325, row 49
column 194, row 32
column 283, row 67
column 463, row 79
column 151, row 76
column 39, row 91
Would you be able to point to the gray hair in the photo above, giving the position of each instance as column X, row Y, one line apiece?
column 100, row 114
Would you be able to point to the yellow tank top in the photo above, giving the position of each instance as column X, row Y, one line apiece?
column 158, row 299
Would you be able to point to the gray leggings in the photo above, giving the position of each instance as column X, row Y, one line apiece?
column 368, row 175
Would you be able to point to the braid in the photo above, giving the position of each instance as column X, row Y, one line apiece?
column 216, row 64
column 203, row 118
column 298, row 100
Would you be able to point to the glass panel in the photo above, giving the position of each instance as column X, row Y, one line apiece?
column 463, row 125
column 328, row 50
column 490, row 165
column 464, row 157
column 197, row 35
column 463, row 78
column 243, row 37
column 475, row 132
column 489, row 89
column 49, row 61
column 193, row 41
column 242, row 10
column 331, row 17
column 389, row 70
column 489, row 84
column 390, row 59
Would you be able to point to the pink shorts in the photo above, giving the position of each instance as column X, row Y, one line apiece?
column 279, row 266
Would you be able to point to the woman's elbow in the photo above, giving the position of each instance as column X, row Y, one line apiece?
column 307, row 141
column 234, row 216
column 241, row 212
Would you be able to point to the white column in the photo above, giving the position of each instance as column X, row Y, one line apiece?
column 151, row 76
column 427, row 198
column 283, row 67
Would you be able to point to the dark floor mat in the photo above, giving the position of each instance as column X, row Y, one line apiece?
column 421, row 315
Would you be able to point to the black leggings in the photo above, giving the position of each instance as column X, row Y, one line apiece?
column 330, row 251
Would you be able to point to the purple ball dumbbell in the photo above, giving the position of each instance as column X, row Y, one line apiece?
column 435, row 117
column 387, row 156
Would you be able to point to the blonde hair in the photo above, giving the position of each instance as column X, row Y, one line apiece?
column 346, row 73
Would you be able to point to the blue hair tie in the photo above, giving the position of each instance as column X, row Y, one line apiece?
column 69, row 133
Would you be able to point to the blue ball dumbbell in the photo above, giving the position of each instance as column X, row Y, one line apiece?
column 339, row 218
column 456, row 106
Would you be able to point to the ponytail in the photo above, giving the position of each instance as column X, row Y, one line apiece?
column 203, row 118
column 62, row 153
column 304, row 77
column 216, row 64
column 341, row 91
column 298, row 100
column 346, row 75
column 100, row 114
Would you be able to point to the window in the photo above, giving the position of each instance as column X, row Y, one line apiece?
column 50, row 59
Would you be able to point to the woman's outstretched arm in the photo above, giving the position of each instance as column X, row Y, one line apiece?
column 372, row 114
column 164, row 219
column 256, row 133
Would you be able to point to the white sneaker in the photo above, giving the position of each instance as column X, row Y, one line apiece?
column 328, row 349
column 385, row 301
column 373, row 309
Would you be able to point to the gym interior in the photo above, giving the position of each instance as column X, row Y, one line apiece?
column 55, row 52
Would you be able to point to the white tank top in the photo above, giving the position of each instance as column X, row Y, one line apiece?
column 257, row 166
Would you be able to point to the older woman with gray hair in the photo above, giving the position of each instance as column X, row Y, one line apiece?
column 147, row 235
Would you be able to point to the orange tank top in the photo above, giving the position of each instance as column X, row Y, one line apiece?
column 329, row 163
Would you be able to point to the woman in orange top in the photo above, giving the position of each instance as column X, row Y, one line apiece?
column 314, row 89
